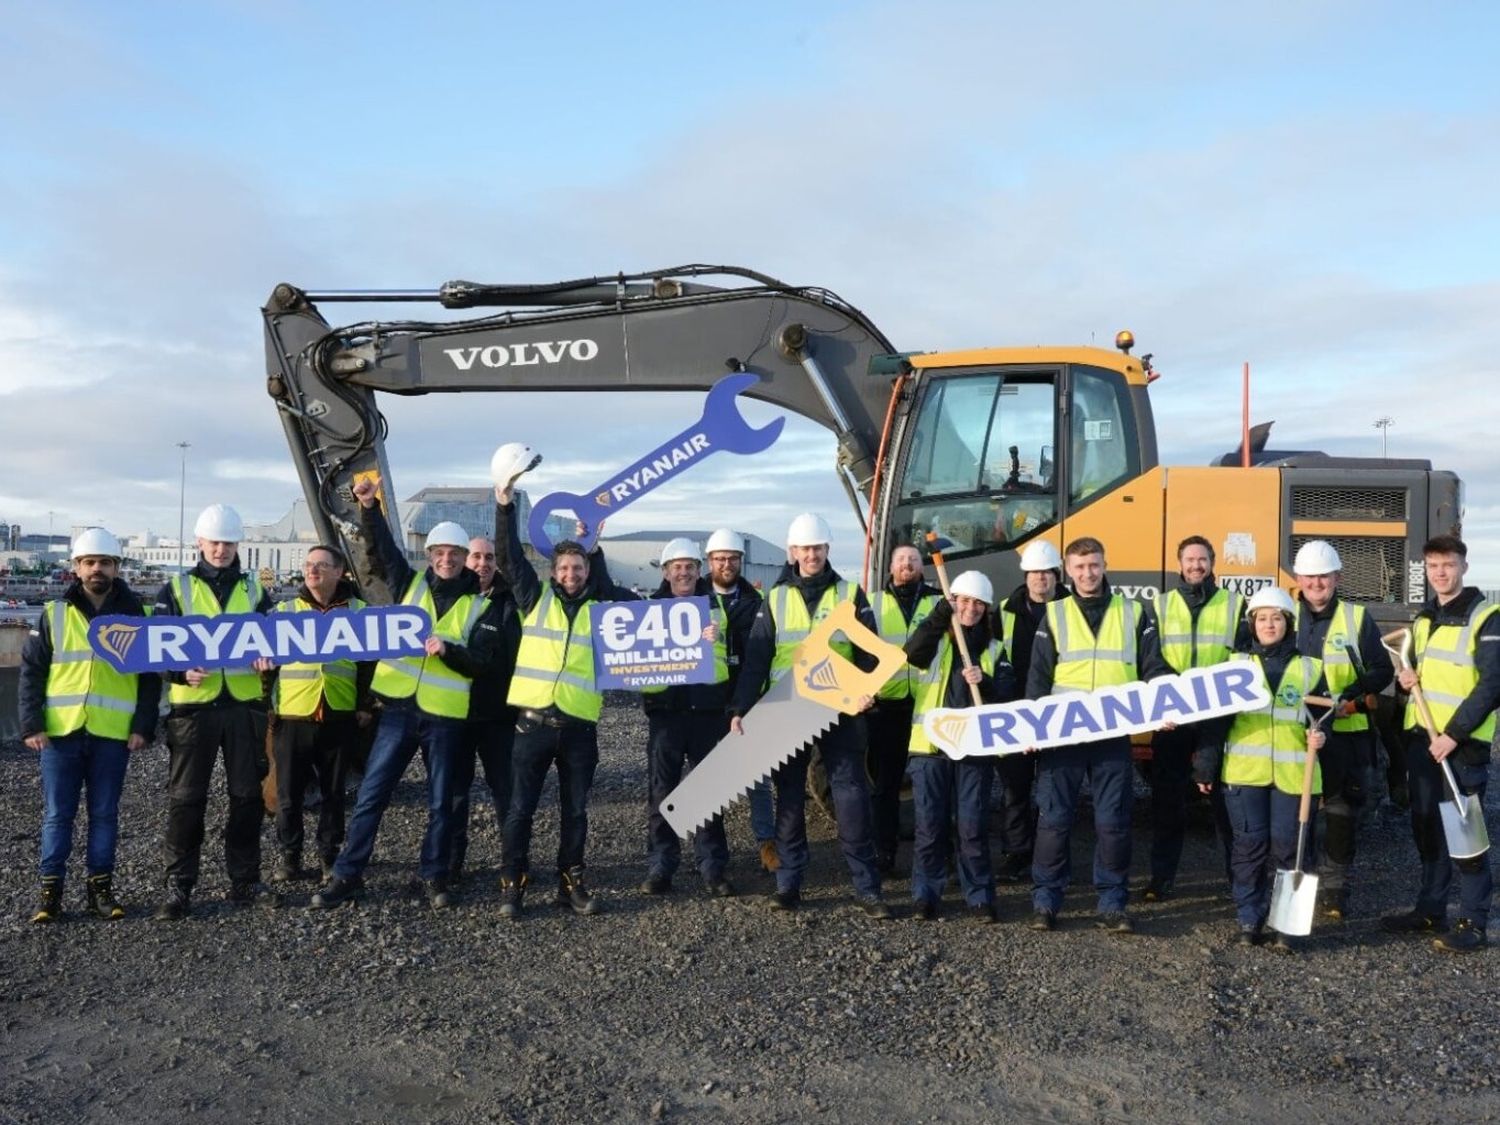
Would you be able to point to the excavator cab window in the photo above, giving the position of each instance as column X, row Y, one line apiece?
column 1102, row 447
column 981, row 465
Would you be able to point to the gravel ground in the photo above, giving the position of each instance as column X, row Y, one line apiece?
column 695, row 1009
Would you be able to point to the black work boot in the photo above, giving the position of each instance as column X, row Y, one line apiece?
column 49, row 909
column 178, row 903
column 438, row 896
column 102, row 897
column 1333, row 904
column 288, row 869
column 573, row 895
column 252, row 894
column 1467, row 937
column 512, row 895
column 337, row 892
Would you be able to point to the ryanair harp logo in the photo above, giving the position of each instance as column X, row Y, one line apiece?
column 949, row 730
column 116, row 640
column 822, row 677
column 602, row 499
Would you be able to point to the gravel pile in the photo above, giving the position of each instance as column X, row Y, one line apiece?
column 688, row 1008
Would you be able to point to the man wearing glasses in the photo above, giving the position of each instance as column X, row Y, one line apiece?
column 316, row 709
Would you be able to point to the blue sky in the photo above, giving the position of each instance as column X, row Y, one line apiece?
column 1307, row 186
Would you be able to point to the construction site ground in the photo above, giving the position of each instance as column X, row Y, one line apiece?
column 695, row 1009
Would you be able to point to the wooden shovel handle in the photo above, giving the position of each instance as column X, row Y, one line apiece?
column 1304, row 810
column 958, row 630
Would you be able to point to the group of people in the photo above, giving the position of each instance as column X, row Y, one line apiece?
column 507, row 680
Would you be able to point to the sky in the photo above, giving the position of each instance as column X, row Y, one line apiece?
column 1309, row 187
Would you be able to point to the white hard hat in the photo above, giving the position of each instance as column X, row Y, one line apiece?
column 1316, row 556
column 973, row 584
column 680, row 548
column 510, row 461
column 96, row 541
column 1273, row 597
column 809, row 530
column 219, row 523
column 725, row 540
column 448, row 534
column 1040, row 555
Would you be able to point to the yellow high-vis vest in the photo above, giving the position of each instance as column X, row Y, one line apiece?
column 1444, row 659
column 83, row 691
column 440, row 691
column 196, row 598
column 1268, row 746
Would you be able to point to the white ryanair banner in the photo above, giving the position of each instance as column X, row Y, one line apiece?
column 1061, row 720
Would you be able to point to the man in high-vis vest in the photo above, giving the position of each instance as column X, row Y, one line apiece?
column 741, row 602
column 490, row 731
column 83, row 719
column 423, row 700
column 214, row 710
column 1329, row 628
column 898, row 608
column 799, row 600
column 1016, row 621
column 684, row 724
column 559, row 705
column 317, row 710
column 1197, row 625
column 1097, row 638
column 950, row 795
column 1456, row 654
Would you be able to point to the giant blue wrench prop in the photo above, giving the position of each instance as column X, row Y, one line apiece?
column 721, row 427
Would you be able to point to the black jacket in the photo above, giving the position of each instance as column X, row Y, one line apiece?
column 687, row 697
column 1312, row 631
column 36, row 662
column 923, row 645
column 1486, row 694
column 1028, row 616
column 1148, row 659
column 741, row 605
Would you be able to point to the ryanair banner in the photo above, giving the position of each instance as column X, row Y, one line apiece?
column 1061, row 720
column 234, row 640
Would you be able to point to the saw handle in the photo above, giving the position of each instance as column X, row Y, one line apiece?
column 958, row 630
column 826, row 677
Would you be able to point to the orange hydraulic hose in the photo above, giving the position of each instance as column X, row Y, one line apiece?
column 885, row 436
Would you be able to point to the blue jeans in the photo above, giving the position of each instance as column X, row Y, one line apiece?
column 843, row 751
column 1476, row 882
column 71, row 763
column 1264, row 822
column 943, row 790
column 1060, row 776
column 401, row 730
column 575, row 749
column 762, row 812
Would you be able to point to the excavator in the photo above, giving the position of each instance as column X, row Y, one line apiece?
column 990, row 448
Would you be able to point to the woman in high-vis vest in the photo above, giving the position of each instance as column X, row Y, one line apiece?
column 1264, row 762
column 944, row 790
column 83, row 718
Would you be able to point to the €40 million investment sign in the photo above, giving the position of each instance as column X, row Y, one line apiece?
column 657, row 643
column 234, row 640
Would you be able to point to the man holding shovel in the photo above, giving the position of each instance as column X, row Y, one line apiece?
column 1346, row 639
column 1456, row 653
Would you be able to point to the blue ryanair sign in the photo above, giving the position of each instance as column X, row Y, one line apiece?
column 234, row 640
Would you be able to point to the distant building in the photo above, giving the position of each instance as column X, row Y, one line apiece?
column 473, row 509
column 635, row 559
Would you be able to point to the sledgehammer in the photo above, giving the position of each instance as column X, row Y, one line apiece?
column 935, row 546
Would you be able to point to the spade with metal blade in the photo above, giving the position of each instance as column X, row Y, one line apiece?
column 1294, row 897
column 1463, row 817
column 817, row 691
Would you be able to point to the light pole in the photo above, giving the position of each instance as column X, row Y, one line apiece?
column 1383, row 423
column 182, row 505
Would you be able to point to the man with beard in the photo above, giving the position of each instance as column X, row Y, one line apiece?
column 317, row 709
column 222, row 709
column 83, row 719
column 898, row 608
column 1198, row 624
column 424, row 699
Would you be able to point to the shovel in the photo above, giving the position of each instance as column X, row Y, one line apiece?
column 1294, row 897
column 1463, row 818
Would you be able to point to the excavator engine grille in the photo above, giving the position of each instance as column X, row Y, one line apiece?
column 1324, row 502
column 1374, row 569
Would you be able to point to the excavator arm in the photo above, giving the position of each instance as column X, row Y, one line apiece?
column 654, row 331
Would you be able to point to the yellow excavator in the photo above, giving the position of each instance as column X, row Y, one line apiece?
column 991, row 448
